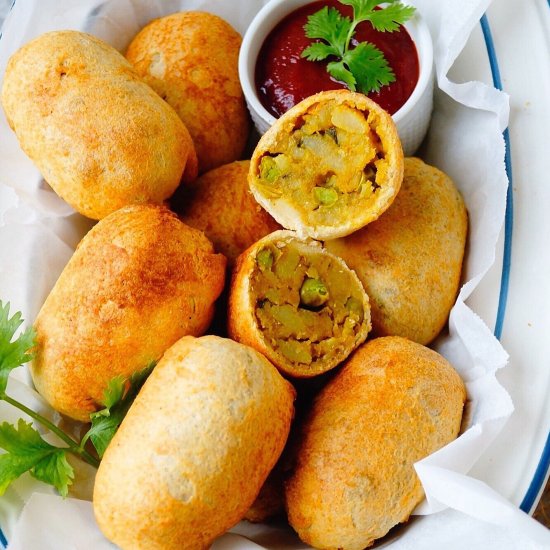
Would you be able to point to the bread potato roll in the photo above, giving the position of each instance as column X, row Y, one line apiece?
column 393, row 403
column 410, row 259
column 138, row 281
column 330, row 165
column 299, row 305
column 221, row 205
column 98, row 134
column 190, row 59
column 194, row 448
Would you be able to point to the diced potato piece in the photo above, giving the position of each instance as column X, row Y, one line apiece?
column 297, row 352
column 349, row 120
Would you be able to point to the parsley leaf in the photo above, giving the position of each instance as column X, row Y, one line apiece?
column 116, row 400
column 13, row 353
column 26, row 450
column 338, row 70
column 319, row 51
column 362, row 8
column 389, row 19
column 329, row 25
column 364, row 66
column 370, row 66
column 112, row 395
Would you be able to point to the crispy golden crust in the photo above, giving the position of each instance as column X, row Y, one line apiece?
column 100, row 137
column 393, row 403
column 221, row 205
column 190, row 60
column 138, row 281
column 195, row 447
column 243, row 325
column 410, row 259
column 387, row 155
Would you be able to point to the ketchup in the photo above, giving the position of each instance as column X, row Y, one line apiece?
column 283, row 78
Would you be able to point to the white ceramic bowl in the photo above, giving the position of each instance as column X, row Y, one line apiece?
column 412, row 119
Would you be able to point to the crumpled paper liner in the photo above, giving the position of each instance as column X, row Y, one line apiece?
column 38, row 232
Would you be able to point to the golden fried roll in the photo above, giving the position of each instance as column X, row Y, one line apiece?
column 299, row 305
column 410, row 259
column 138, row 281
column 330, row 165
column 194, row 448
column 98, row 134
column 221, row 205
column 190, row 60
column 393, row 403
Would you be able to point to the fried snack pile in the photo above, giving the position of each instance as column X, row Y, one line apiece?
column 212, row 420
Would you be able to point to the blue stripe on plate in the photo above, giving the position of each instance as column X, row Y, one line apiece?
column 544, row 463
column 509, row 216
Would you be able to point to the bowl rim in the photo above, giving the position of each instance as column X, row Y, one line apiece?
column 262, row 25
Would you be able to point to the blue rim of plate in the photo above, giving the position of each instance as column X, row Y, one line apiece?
column 544, row 463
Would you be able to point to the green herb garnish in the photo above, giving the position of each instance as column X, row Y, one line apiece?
column 363, row 67
column 118, row 397
column 26, row 450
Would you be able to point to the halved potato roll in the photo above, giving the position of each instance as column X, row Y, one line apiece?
column 329, row 166
column 296, row 303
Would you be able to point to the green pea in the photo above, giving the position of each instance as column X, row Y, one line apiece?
column 313, row 293
column 325, row 196
column 268, row 169
column 264, row 258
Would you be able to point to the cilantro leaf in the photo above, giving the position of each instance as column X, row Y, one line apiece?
column 13, row 353
column 105, row 422
column 319, row 51
column 369, row 66
column 338, row 70
column 27, row 451
column 112, row 395
column 330, row 25
column 361, row 8
column 55, row 470
column 364, row 66
column 389, row 19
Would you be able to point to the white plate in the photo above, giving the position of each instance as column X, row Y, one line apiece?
column 514, row 298
column 511, row 49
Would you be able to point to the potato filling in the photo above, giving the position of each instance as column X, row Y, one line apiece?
column 331, row 158
column 308, row 307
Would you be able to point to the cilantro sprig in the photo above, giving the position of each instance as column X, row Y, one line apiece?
column 118, row 397
column 26, row 449
column 363, row 67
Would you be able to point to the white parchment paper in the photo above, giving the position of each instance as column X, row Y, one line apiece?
column 38, row 233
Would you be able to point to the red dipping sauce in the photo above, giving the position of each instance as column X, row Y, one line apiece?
column 283, row 78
